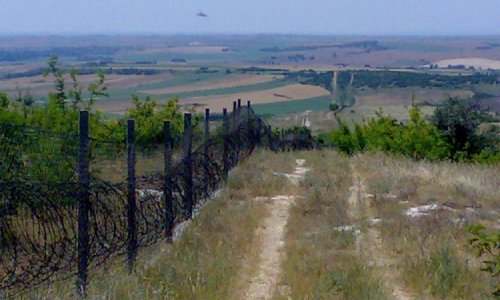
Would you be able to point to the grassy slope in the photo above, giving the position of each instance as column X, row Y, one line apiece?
column 430, row 253
column 205, row 262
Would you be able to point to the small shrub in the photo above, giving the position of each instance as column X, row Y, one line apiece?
column 487, row 246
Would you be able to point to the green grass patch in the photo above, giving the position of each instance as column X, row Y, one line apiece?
column 287, row 107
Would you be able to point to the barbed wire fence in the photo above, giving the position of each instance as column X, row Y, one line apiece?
column 56, row 223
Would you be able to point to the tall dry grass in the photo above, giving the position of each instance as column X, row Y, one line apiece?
column 321, row 262
column 205, row 262
column 431, row 251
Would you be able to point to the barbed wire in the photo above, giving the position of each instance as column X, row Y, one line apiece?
column 39, row 218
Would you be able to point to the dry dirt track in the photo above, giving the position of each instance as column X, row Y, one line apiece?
column 270, row 239
column 371, row 243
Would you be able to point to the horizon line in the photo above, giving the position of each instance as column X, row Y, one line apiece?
column 146, row 33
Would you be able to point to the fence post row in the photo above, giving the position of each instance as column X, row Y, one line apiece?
column 206, row 151
column 131, row 196
column 188, row 169
column 225, row 152
column 83, row 247
column 168, row 201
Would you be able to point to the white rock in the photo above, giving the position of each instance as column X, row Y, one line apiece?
column 420, row 211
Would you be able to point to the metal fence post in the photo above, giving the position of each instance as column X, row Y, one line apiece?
column 188, row 168
column 249, row 127
column 270, row 137
column 225, row 152
column 168, row 200
column 83, row 246
column 237, row 132
column 233, row 117
column 131, row 196
column 206, row 150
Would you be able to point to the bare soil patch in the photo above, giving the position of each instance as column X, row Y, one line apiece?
column 270, row 238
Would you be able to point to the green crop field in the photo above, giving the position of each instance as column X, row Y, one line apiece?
column 296, row 106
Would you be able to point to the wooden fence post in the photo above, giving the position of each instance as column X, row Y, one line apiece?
column 188, row 168
column 168, row 200
column 206, row 150
column 83, row 246
column 131, row 196
column 225, row 152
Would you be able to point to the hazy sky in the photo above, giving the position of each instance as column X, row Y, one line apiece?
column 393, row 17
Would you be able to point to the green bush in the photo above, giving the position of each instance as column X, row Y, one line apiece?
column 454, row 133
column 418, row 139
column 149, row 117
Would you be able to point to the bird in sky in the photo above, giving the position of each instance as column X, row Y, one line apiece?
column 201, row 14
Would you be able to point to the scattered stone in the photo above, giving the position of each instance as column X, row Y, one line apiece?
column 300, row 162
column 344, row 228
column 387, row 197
column 149, row 193
column 420, row 211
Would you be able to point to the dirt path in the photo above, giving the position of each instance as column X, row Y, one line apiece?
column 371, row 242
column 270, row 240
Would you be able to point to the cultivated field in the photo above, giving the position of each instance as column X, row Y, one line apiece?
column 282, row 94
column 477, row 63
column 213, row 71
column 405, row 96
column 226, row 82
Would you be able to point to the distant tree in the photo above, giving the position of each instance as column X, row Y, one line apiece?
column 59, row 95
column 76, row 93
column 97, row 89
column 333, row 106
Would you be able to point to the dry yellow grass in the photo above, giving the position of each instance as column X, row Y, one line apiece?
column 323, row 260
column 205, row 263
column 347, row 237
column 429, row 251
column 286, row 93
column 232, row 81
